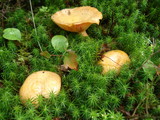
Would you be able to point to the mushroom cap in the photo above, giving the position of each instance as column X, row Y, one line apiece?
column 113, row 60
column 40, row 83
column 77, row 19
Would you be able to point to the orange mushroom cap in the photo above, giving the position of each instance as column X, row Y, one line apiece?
column 40, row 83
column 113, row 60
column 77, row 19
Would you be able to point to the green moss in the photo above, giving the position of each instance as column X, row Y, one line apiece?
column 131, row 26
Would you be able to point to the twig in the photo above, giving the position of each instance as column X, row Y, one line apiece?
column 34, row 24
column 147, row 97
column 110, row 59
column 3, row 16
column 125, row 112
column 57, row 55
column 18, row 3
column 155, row 80
column 143, row 64
column 135, row 110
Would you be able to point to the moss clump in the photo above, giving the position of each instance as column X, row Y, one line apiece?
column 131, row 26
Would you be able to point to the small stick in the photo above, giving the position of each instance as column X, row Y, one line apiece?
column 57, row 55
column 135, row 110
column 30, row 2
column 143, row 64
column 110, row 59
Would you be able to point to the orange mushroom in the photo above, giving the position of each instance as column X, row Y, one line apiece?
column 40, row 83
column 77, row 19
column 113, row 60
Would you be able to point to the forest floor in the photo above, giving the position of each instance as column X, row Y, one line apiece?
column 132, row 26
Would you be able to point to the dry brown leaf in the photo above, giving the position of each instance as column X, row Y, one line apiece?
column 56, row 118
column 70, row 60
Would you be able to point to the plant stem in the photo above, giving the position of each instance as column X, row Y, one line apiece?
column 143, row 64
column 18, row 3
column 147, row 97
column 57, row 55
column 135, row 110
column 30, row 2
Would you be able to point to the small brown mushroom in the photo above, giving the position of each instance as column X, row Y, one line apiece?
column 40, row 83
column 113, row 60
column 77, row 19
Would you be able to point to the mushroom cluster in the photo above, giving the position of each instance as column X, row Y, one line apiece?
column 77, row 19
column 74, row 20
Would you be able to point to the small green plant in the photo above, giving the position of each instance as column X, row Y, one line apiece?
column 60, row 44
column 12, row 34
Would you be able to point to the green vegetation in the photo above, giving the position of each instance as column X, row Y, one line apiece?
column 129, row 25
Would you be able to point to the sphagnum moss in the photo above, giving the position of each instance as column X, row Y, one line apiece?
column 130, row 26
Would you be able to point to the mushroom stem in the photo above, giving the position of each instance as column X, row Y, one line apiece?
column 83, row 33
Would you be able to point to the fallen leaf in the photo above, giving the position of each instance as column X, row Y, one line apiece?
column 70, row 60
column 105, row 48
column 56, row 118
column 45, row 54
column 149, row 69
column 64, row 68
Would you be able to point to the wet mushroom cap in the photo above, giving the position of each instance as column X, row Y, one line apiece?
column 77, row 19
column 40, row 83
column 113, row 60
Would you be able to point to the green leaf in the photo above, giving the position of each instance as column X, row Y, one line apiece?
column 60, row 43
column 12, row 34
column 149, row 69
column 70, row 60
column 44, row 9
column 45, row 54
